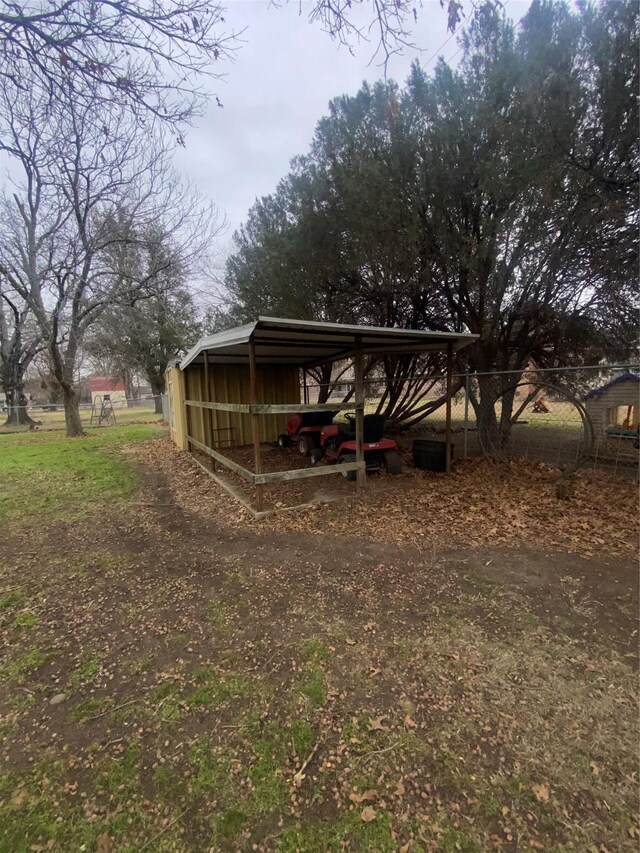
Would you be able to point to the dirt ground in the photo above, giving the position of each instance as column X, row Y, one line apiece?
column 479, row 504
column 421, row 669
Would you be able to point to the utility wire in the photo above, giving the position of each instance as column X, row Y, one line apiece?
column 436, row 53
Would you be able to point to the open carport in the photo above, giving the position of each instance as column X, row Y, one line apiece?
column 239, row 385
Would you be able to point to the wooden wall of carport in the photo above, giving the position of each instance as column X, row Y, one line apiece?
column 229, row 383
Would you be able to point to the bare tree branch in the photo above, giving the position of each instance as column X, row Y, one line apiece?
column 151, row 57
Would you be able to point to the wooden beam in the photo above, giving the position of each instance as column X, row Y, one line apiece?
column 290, row 408
column 270, row 408
column 244, row 408
column 274, row 476
column 232, row 491
column 219, row 457
column 303, row 473
column 447, row 428
column 358, row 368
column 255, row 420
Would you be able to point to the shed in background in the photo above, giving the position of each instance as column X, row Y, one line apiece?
column 614, row 407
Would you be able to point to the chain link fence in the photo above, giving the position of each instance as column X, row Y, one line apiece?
column 50, row 416
column 569, row 417
column 561, row 417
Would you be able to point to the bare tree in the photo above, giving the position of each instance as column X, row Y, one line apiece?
column 387, row 25
column 20, row 342
column 141, row 335
column 154, row 56
column 83, row 194
column 150, row 57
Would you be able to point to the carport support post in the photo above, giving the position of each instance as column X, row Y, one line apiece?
column 359, row 389
column 447, row 429
column 187, row 420
column 466, row 414
column 203, row 414
column 255, row 420
column 208, row 413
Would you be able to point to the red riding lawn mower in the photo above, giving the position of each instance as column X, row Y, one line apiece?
column 338, row 444
column 304, row 430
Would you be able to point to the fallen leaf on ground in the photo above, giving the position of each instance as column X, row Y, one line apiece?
column 104, row 844
column 368, row 814
column 365, row 797
column 377, row 725
column 541, row 793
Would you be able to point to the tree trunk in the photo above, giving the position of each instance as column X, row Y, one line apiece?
column 12, row 370
column 72, row 412
column 157, row 389
column 494, row 410
column 325, row 383
column 17, row 414
column 506, row 420
column 127, row 381
column 486, row 419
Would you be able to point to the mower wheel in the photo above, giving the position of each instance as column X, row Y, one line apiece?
column 283, row 440
column 393, row 462
column 348, row 457
column 306, row 444
column 316, row 455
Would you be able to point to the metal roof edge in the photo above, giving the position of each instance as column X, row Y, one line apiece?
column 288, row 321
column 242, row 334
column 238, row 335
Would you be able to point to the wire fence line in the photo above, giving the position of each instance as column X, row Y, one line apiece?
column 50, row 416
column 561, row 416
column 548, row 405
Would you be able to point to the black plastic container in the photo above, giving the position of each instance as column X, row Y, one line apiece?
column 430, row 455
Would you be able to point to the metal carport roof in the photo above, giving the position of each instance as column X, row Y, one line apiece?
column 305, row 342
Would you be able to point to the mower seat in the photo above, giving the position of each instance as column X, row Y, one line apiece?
column 317, row 419
column 372, row 430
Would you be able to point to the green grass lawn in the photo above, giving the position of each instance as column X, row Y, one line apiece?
column 46, row 472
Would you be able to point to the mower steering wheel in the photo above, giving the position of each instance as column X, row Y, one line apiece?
column 350, row 417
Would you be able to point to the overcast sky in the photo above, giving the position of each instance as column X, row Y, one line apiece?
column 284, row 75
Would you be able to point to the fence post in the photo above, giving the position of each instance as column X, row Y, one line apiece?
column 466, row 415
column 360, row 406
